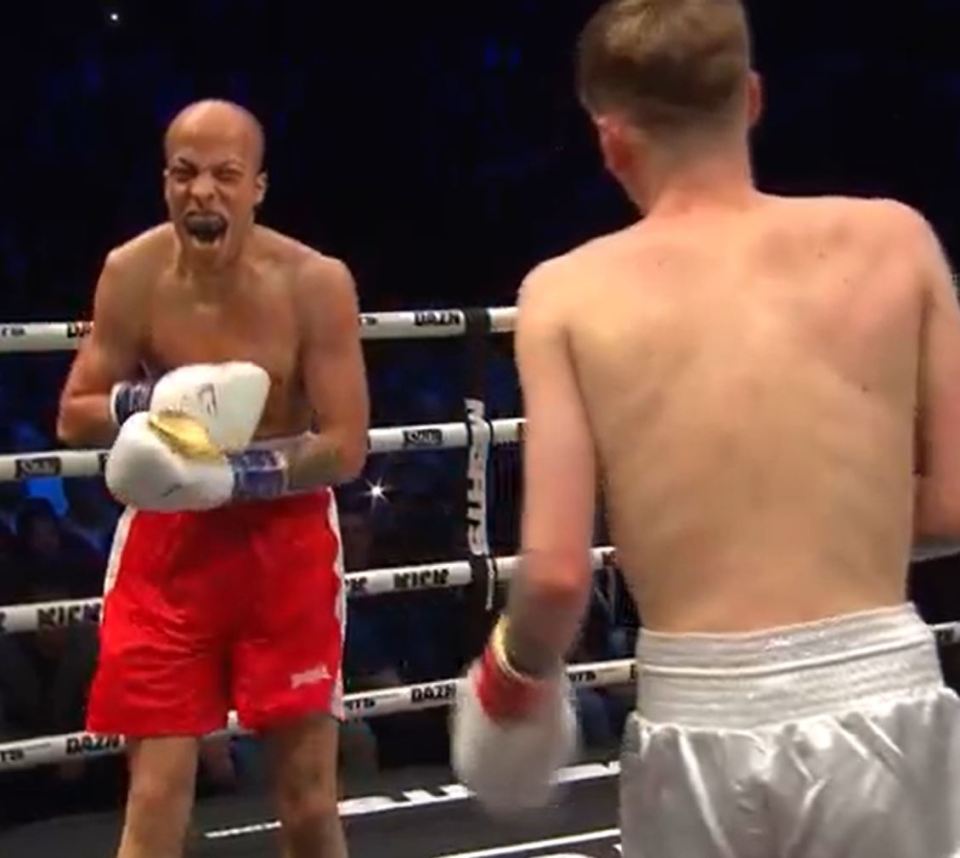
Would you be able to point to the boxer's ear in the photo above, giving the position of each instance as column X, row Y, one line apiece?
column 618, row 145
column 754, row 99
column 260, row 186
column 626, row 154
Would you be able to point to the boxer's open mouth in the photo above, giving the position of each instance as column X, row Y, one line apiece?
column 205, row 227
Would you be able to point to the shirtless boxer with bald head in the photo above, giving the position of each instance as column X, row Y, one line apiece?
column 742, row 372
column 225, row 368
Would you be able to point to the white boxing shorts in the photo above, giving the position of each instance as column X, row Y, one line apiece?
column 834, row 739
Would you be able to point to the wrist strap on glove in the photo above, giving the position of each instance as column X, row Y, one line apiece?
column 258, row 474
column 505, row 693
column 129, row 397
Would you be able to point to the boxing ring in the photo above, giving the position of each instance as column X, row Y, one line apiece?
column 411, row 812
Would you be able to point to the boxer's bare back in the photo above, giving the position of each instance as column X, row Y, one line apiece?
column 750, row 377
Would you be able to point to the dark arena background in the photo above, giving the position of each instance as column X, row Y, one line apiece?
column 436, row 147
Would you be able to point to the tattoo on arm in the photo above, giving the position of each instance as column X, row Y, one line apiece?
column 314, row 462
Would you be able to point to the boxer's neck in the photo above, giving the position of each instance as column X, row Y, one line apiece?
column 705, row 179
column 211, row 274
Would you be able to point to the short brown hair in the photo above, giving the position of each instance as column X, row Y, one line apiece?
column 666, row 65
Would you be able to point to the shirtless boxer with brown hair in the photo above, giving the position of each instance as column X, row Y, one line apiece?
column 225, row 368
column 742, row 372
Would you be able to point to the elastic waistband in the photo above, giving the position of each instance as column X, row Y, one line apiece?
column 782, row 674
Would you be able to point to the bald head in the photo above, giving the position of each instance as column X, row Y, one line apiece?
column 215, row 121
column 214, row 179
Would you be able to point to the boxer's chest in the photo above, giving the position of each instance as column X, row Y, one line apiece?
column 256, row 322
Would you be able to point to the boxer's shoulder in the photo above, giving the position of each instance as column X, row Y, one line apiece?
column 868, row 238
column 900, row 222
column 148, row 248
column 132, row 269
column 555, row 287
column 544, row 291
column 277, row 248
column 596, row 251
column 308, row 268
column 863, row 218
column 325, row 280
column 876, row 210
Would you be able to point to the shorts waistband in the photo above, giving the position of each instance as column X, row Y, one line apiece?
column 786, row 673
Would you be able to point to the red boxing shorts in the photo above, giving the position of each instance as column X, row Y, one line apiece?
column 239, row 607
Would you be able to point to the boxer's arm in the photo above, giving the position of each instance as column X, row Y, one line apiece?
column 937, row 511
column 550, row 593
column 110, row 354
column 334, row 377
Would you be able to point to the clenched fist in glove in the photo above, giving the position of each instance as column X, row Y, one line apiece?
column 511, row 733
column 226, row 398
column 182, row 448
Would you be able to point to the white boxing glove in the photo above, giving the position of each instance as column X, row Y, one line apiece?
column 226, row 398
column 168, row 463
column 510, row 734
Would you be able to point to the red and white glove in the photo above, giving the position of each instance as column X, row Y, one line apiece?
column 511, row 733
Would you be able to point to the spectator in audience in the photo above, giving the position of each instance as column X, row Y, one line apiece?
column 13, row 572
column 92, row 512
column 602, row 711
column 44, row 676
column 60, row 564
column 218, row 769
column 11, row 593
column 364, row 655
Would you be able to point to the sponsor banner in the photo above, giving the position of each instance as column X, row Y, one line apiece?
column 437, row 318
column 85, row 745
column 78, row 330
column 29, row 467
column 423, row 438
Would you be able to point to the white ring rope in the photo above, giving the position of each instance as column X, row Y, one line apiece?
column 16, row 619
column 392, row 439
column 16, row 337
column 372, row 704
column 388, row 701
column 71, row 464
column 443, row 575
